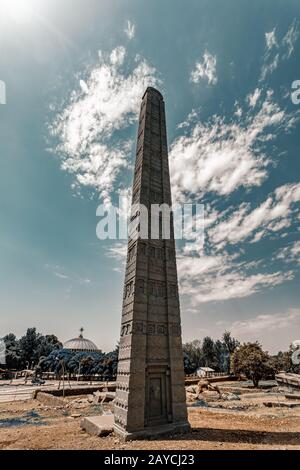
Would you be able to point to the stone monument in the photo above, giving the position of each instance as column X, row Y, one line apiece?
column 150, row 396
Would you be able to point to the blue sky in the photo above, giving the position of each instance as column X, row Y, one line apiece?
column 75, row 72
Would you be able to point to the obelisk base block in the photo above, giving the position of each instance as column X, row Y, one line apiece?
column 153, row 432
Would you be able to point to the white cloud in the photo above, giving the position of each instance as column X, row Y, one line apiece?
column 205, row 70
column 276, row 52
column 190, row 118
column 117, row 56
column 238, row 112
column 221, row 156
column 191, row 267
column 254, row 97
column 87, row 128
column 84, row 86
column 118, row 252
column 290, row 38
column 295, row 250
column 253, row 327
column 290, row 254
column 61, row 273
column 130, row 30
column 269, row 68
column 274, row 214
column 275, row 331
column 219, row 278
column 271, row 39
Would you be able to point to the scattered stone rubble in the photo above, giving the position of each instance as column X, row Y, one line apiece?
column 95, row 399
column 98, row 398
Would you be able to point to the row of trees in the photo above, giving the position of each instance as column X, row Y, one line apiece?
column 209, row 353
column 228, row 355
column 84, row 363
column 225, row 355
column 26, row 351
column 256, row 364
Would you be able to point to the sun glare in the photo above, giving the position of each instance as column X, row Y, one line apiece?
column 20, row 11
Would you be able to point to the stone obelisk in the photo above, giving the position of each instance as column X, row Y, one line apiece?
column 150, row 396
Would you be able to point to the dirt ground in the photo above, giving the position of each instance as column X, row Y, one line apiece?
column 31, row 425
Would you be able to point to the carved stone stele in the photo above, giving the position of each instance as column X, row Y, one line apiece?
column 150, row 397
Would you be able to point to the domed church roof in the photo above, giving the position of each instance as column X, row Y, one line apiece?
column 80, row 344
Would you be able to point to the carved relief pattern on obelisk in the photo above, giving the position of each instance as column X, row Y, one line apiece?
column 150, row 383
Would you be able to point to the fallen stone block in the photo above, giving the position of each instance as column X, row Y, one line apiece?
column 104, row 397
column 230, row 396
column 192, row 389
column 98, row 425
column 97, row 399
column 108, row 396
column 49, row 400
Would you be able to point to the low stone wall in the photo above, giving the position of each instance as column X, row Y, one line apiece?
column 79, row 390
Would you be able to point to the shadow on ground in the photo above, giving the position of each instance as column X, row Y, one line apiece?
column 29, row 419
column 239, row 436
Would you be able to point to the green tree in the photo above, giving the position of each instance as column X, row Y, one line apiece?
column 209, row 355
column 283, row 361
column 13, row 353
column 222, row 356
column 33, row 346
column 47, row 344
column 192, row 353
column 250, row 360
column 230, row 344
column 29, row 344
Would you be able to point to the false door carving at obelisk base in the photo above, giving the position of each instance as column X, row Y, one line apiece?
column 158, row 410
column 150, row 395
